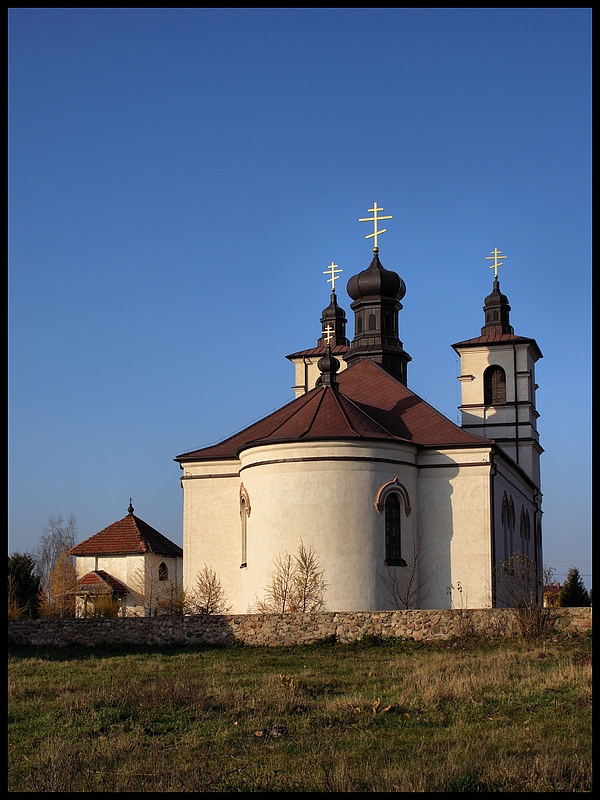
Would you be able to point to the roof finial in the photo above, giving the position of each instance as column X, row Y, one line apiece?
column 331, row 271
column 374, row 219
column 130, row 509
column 494, row 257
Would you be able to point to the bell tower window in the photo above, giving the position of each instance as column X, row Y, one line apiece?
column 494, row 386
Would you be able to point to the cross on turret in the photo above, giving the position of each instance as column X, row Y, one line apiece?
column 494, row 257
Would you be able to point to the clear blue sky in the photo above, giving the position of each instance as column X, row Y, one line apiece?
column 179, row 179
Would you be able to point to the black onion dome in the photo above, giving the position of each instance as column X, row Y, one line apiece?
column 496, row 297
column 376, row 281
column 328, row 363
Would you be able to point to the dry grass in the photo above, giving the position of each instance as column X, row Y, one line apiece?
column 355, row 718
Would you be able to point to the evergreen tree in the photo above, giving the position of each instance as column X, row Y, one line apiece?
column 23, row 586
column 573, row 593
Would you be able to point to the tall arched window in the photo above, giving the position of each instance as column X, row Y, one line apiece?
column 393, row 532
column 244, row 514
column 494, row 386
column 163, row 572
column 372, row 322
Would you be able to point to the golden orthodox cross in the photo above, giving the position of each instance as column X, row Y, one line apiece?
column 374, row 219
column 495, row 256
column 328, row 334
column 331, row 270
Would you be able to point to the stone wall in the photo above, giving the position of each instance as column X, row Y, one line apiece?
column 273, row 630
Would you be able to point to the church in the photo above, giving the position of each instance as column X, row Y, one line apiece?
column 401, row 507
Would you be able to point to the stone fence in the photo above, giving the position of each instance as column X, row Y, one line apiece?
column 273, row 630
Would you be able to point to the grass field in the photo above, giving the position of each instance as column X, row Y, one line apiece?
column 375, row 716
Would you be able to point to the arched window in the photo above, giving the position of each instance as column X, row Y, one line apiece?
column 244, row 514
column 244, row 533
column 163, row 572
column 393, row 531
column 494, row 386
column 372, row 322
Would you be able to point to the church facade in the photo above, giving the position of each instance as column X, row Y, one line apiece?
column 401, row 507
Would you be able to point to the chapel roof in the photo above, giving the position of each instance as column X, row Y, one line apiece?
column 128, row 536
column 99, row 581
column 368, row 403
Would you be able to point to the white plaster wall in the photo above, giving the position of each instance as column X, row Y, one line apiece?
column 322, row 494
column 454, row 512
column 212, row 525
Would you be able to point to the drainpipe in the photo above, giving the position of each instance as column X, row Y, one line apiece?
column 493, row 523
column 516, row 405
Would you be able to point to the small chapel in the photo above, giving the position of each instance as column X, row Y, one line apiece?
column 401, row 507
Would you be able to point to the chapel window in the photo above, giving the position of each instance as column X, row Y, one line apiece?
column 494, row 386
column 244, row 517
column 163, row 572
column 393, row 554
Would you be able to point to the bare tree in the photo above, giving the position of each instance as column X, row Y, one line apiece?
column 57, row 599
column 208, row 596
column 405, row 584
column 58, row 538
column 519, row 586
column 158, row 593
column 308, row 583
column 297, row 584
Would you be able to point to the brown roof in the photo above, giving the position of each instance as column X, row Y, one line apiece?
column 99, row 581
column 338, row 349
column 495, row 336
column 368, row 404
column 129, row 536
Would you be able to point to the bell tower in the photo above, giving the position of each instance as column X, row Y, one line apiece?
column 497, row 376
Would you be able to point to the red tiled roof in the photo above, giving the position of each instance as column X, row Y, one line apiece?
column 129, row 536
column 369, row 404
column 98, row 580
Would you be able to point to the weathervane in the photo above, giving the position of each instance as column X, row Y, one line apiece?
column 374, row 219
column 331, row 271
column 495, row 256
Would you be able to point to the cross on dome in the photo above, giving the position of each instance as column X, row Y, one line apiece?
column 331, row 270
column 375, row 219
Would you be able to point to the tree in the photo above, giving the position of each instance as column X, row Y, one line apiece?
column 158, row 593
column 208, row 596
column 519, row 586
column 57, row 599
column 405, row 584
column 23, row 586
column 297, row 584
column 58, row 538
column 573, row 593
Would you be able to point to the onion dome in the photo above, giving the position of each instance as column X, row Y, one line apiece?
column 376, row 281
column 496, row 310
column 329, row 366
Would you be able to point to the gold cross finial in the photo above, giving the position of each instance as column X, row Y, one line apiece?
column 374, row 219
column 328, row 333
column 331, row 271
column 495, row 256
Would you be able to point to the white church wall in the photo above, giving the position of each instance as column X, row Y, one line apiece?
column 211, row 524
column 454, row 515
column 323, row 495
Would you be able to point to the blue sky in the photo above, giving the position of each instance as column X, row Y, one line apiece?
column 179, row 179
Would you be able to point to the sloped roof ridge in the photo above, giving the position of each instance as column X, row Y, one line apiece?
column 366, row 414
column 464, row 434
column 260, row 421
